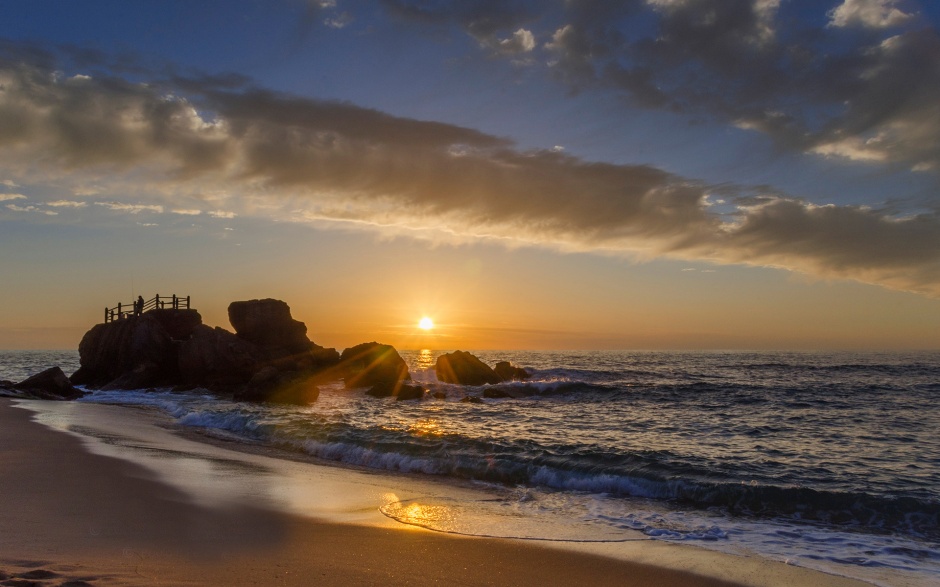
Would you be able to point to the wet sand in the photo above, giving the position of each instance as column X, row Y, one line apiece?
column 70, row 516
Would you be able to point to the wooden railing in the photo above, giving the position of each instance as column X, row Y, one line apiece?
column 157, row 302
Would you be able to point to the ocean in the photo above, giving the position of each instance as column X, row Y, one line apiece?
column 829, row 461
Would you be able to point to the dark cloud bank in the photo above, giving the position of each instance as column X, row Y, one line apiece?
column 856, row 79
column 342, row 162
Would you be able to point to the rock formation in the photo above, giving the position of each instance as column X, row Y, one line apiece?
column 268, row 324
column 507, row 372
column 49, row 384
column 214, row 357
column 268, row 358
column 463, row 368
column 409, row 392
column 374, row 365
column 135, row 352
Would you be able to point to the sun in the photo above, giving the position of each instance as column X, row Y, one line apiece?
column 426, row 323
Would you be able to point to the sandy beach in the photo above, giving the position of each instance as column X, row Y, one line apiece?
column 74, row 516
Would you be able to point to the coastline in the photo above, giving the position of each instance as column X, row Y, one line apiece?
column 157, row 515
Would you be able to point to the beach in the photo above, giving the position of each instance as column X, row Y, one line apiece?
column 70, row 514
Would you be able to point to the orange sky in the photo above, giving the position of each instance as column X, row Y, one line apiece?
column 543, row 175
column 352, row 287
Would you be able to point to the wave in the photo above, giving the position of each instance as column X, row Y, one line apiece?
column 654, row 475
column 587, row 440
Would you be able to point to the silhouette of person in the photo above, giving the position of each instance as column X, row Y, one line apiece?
column 139, row 306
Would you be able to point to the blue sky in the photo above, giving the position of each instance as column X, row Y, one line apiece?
column 786, row 153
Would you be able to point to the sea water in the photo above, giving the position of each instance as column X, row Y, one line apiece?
column 825, row 460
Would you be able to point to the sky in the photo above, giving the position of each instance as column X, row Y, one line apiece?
column 552, row 174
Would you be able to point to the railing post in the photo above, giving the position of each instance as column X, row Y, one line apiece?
column 187, row 302
column 174, row 302
column 156, row 303
column 105, row 315
column 120, row 313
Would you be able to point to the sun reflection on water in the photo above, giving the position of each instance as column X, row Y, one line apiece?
column 426, row 427
column 435, row 517
column 425, row 359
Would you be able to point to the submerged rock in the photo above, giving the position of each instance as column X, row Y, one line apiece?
column 463, row 368
column 513, row 391
column 495, row 393
column 49, row 384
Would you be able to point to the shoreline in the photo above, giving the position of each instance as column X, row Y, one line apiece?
column 157, row 514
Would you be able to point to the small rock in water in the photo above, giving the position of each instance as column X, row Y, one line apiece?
column 49, row 384
column 507, row 372
column 375, row 365
column 410, row 392
column 463, row 368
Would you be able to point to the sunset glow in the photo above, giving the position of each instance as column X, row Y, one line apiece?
column 642, row 205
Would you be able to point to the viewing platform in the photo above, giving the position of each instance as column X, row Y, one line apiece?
column 136, row 308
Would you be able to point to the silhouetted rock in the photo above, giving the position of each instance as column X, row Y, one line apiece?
column 268, row 324
column 49, row 384
column 141, row 376
column 375, row 365
column 282, row 340
column 215, row 356
column 507, row 372
column 271, row 385
column 111, row 350
column 179, row 324
column 409, row 392
column 462, row 368
column 172, row 348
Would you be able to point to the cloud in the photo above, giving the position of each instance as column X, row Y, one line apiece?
column 876, row 14
column 341, row 20
column 291, row 158
column 30, row 208
column 8, row 197
column 762, row 65
column 521, row 41
column 66, row 204
column 186, row 211
column 131, row 208
column 496, row 25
